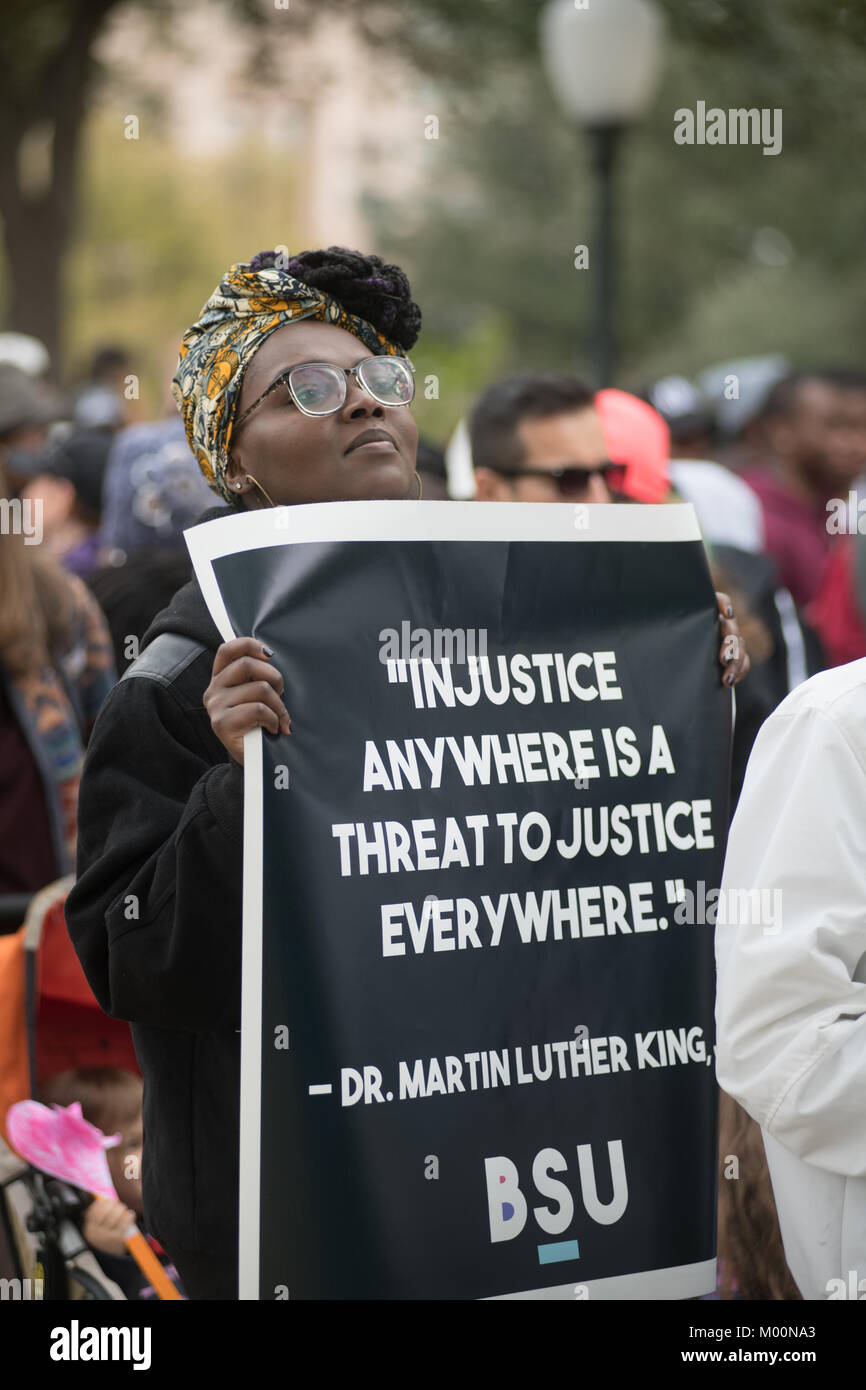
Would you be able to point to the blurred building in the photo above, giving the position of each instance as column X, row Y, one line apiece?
column 351, row 117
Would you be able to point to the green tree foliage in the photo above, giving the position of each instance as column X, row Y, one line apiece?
column 47, row 77
column 491, row 248
column 724, row 251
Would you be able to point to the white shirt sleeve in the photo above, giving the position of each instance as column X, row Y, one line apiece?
column 791, row 1001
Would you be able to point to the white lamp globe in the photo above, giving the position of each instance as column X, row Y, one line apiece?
column 602, row 61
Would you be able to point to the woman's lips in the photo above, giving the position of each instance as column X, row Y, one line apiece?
column 373, row 446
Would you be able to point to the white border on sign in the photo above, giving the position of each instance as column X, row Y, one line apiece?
column 679, row 1281
column 396, row 521
column 427, row 521
column 251, row 1022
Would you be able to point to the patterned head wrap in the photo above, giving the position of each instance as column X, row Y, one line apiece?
column 246, row 307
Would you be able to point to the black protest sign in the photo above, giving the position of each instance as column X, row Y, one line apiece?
column 477, row 1042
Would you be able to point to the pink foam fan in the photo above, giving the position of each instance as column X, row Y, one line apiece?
column 60, row 1142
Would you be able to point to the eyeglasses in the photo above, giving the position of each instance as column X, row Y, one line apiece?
column 573, row 481
column 319, row 388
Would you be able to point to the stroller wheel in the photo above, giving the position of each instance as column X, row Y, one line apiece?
column 91, row 1285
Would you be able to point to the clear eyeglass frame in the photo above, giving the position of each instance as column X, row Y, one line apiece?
column 285, row 379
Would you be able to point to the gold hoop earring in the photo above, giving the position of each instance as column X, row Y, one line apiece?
column 251, row 479
column 420, row 486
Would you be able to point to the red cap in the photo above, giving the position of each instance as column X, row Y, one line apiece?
column 637, row 436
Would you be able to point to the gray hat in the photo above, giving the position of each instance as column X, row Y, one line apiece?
column 739, row 389
column 26, row 352
column 24, row 401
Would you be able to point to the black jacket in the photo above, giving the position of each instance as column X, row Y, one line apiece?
column 155, row 917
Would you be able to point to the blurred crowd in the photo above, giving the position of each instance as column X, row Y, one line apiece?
column 773, row 459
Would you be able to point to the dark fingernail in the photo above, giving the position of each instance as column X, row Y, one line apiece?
column 730, row 678
column 730, row 611
column 267, row 651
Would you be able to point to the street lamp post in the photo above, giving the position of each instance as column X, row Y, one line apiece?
column 605, row 139
column 602, row 62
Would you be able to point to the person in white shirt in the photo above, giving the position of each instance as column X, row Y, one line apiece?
column 791, row 963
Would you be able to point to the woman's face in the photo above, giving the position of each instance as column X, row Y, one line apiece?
column 299, row 458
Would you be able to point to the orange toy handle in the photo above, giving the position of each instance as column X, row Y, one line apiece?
column 149, row 1264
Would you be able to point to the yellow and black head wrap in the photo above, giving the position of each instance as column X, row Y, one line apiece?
column 251, row 302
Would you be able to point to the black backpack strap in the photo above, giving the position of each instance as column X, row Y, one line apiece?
column 165, row 657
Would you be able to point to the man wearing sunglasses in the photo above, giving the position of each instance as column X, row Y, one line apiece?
column 538, row 438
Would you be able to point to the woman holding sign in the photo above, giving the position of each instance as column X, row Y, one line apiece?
column 294, row 387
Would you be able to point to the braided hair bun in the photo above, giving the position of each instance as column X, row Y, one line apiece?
column 364, row 285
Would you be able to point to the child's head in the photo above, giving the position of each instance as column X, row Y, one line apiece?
column 110, row 1099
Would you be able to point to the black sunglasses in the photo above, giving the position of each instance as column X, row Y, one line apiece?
column 571, row 480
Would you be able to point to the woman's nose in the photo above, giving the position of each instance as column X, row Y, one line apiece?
column 358, row 403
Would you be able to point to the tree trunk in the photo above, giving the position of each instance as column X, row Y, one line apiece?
column 37, row 226
column 36, row 234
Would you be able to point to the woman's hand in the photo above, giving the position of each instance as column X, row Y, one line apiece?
column 732, row 653
column 105, row 1224
column 244, row 693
